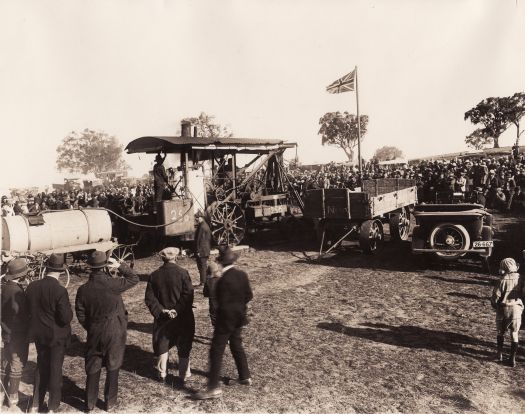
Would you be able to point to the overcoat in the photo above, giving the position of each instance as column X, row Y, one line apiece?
column 170, row 287
column 203, row 239
column 233, row 293
column 100, row 310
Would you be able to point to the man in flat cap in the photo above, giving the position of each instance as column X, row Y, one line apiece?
column 15, row 318
column 100, row 310
column 233, row 292
column 50, row 329
column 169, row 298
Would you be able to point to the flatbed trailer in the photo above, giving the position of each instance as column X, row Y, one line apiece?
column 342, row 214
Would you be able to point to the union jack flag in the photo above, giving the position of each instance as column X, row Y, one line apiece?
column 344, row 84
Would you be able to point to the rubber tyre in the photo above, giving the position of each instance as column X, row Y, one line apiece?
column 371, row 236
column 398, row 233
column 460, row 230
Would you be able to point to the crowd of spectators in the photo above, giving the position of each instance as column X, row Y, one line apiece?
column 497, row 183
column 121, row 199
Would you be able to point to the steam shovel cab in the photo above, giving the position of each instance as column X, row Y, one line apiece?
column 207, row 176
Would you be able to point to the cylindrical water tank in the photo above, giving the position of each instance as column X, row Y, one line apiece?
column 60, row 229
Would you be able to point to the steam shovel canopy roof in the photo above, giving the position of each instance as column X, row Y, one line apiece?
column 177, row 145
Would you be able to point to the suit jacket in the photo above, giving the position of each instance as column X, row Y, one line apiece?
column 15, row 314
column 233, row 292
column 50, row 312
column 203, row 239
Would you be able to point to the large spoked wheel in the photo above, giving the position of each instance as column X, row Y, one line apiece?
column 450, row 237
column 371, row 236
column 123, row 254
column 228, row 224
column 64, row 277
column 399, row 225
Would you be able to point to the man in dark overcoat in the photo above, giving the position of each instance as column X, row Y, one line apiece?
column 50, row 328
column 15, row 318
column 169, row 297
column 202, row 246
column 100, row 310
column 233, row 293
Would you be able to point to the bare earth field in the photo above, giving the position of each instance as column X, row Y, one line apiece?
column 350, row 333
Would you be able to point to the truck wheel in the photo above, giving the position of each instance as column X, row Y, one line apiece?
column 449, row 236
column 399, row 225
column 371, row 236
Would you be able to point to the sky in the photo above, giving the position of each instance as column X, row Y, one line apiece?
column 137, row 67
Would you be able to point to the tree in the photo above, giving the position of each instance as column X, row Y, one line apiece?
column 490, row 113
column 387, row 153
column 90, row 151
column 206, row 128
column 340, row 130
column 478, row 139
column 514, row 110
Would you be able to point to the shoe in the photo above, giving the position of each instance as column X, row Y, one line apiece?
column 208, row 394
column 160, row 378
column 247, row 381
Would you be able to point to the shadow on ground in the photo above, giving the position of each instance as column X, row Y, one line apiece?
column 415, row 337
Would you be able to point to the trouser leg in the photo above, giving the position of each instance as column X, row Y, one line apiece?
column 111, row 388
column 18, row 350
column 55, row 376
column 92, row 381
column 500, row 341
column 202, row 264
column 4, row 369
column 239, row 356
column 42, row 374
column 218, row 344
column 162, row 365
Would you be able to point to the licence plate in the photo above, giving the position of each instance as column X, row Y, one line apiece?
column 483, row 243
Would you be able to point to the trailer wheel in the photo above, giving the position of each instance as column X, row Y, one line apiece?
column 123, row 253
column 228, row 224
column 371, row 236
column 449, row 236
column 399, row 225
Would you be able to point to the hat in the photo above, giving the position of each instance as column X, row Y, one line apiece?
column 227, row 256
column 16, row 268
column 169, row 253
column 56, row 262
column 508, row 265
column 97, row 259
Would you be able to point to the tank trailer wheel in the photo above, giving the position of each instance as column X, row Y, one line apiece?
column 371, row 236
column 124, row 254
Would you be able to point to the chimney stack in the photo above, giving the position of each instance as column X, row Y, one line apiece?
column 195, row 132
column 185, row 129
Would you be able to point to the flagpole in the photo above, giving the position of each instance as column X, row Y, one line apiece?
column 358, row 122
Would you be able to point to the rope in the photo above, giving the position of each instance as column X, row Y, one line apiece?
column 149, row 226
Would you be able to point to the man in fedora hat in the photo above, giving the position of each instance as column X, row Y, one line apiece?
column 169, row 297
column 233, row 292
column 160, row 178
column 100, row 310
column 50, row 328
column 202, row 246
column 14, row 320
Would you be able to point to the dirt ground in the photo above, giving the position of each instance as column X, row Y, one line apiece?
column 349, row 333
